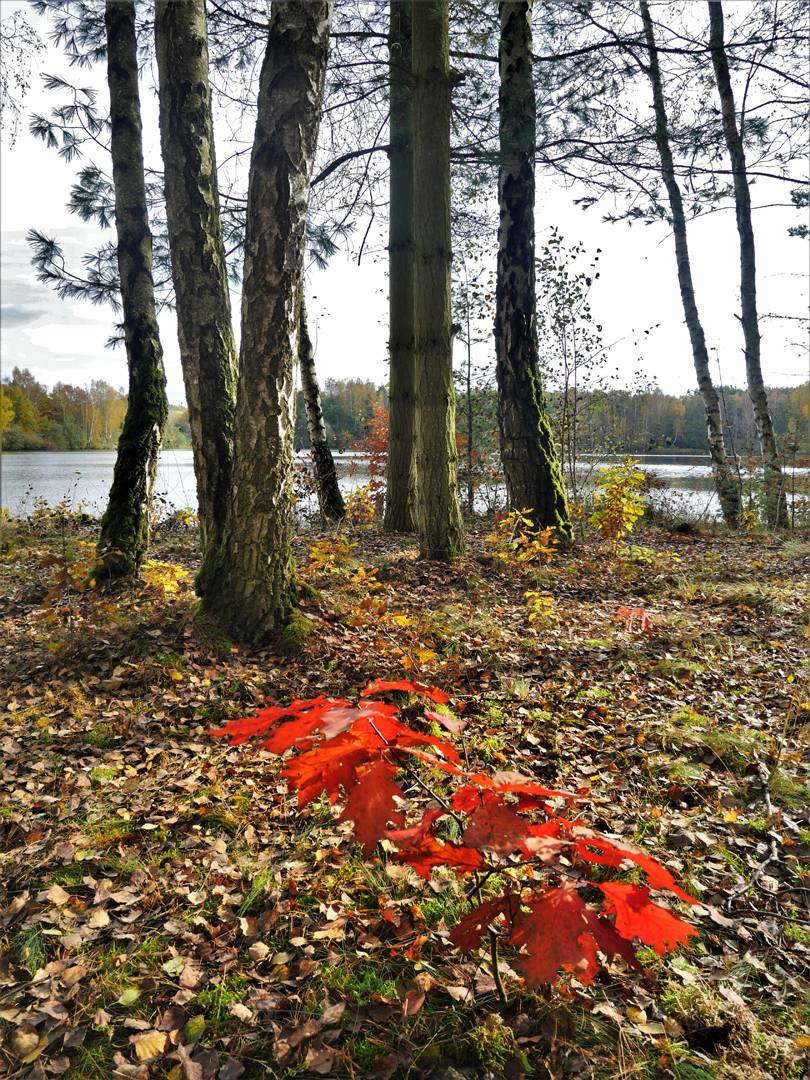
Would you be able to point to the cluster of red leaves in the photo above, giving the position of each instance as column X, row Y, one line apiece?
column 374, row 444
column 635, row 617
column 354, row 751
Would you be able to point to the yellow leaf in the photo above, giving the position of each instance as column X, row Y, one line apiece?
column 424, row 655
column 731, row 815
column 150, row 1044
column 402, row 620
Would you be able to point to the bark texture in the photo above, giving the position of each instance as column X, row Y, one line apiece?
column 207, row 348
column 330, row 499
column 774, row 480
column 249, row 585
column 440, row 530
column 728, row 491
column 124, row 533
column 400, row 498
column 530, row 464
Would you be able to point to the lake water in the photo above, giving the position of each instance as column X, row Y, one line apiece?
column 83, row 478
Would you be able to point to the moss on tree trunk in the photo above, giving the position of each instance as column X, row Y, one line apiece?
column 401, row 486
column 124, row 534
column 440, row 529
column 530, row 464
column 207, row 348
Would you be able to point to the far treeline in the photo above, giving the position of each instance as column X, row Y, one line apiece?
column 437, row 119
column 32, row 417
column 634, row 421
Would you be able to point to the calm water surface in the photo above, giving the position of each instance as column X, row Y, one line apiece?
column 83, row 478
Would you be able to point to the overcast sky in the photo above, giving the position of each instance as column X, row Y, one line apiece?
column 64, row 340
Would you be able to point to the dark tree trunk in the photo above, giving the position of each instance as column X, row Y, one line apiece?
column 728, row 491
column 124, row 534
column 440, row 530
column 249, row 584
column 400, row 498
column 774, row 480
column 207, row 348
column 329, row 498
column 530, row 465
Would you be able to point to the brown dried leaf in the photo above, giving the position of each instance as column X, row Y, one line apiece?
column 24, row 1040
column 231, row 1070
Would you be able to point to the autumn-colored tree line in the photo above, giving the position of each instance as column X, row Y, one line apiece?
column 69, row 417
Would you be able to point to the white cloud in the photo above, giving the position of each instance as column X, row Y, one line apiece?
column 61, row 338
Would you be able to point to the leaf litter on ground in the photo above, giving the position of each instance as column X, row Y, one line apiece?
column 164, row 902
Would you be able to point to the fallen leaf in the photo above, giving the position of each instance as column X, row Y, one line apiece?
column 149, row 1044
column 24, row 1040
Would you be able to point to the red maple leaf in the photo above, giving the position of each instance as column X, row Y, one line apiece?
column 430, row 852
column 524, row 785
column 330, row 766
column 415, row 833
column 432, row 692
column 312, row 709
column 371, row 804
column 399, row 736
column 495, row 827
column 637, row 916
column 456, row 726
column 636, row 615
column 543, row 841
column 609, row 940
column 612, row 853
column 472, row 927
column 431, row 759
column 555, row 934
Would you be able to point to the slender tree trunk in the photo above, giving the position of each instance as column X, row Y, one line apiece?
column 400, row 498
column 207, row 348
column 774, row 480
column 329, row 498
column 530, row 464
column 440, row 529
column 725, row 483
column 249, row 584
column 124, row 534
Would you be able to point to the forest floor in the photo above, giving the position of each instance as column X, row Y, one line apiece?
column 166, row 910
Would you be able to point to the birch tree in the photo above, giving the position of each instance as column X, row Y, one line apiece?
column 249, row 584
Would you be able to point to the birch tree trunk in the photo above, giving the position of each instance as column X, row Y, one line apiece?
column 440, row 530
column 400, row 497
column 725, row 483
column 207, row 348
column 530, row 464
column 124, row 533
column 774, row 481
column 249, row 585
column 330, row 499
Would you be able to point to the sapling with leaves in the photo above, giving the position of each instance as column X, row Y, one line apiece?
column 528, row 837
